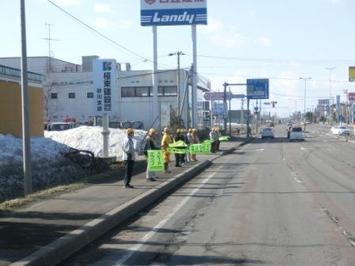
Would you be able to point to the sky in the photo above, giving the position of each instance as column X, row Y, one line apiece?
column 281, row 40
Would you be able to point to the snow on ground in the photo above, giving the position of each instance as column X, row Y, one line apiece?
column 56, row 143
column 90, row 138
column 49, row 165
column 41, row 149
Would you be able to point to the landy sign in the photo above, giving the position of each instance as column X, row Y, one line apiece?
column 173, row 12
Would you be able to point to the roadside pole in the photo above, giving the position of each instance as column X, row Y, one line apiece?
column 156, row 109
column 194, row 77
column 230, row 113
column 248, row 118
column 225, row 84
column 26, row 139
column 105, row 134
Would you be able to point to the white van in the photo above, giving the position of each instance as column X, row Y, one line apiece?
column 296, row 134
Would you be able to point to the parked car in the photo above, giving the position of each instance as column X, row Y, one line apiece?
column 296, row 133
column 59, row 126
column 340, row 130
column 267, row 132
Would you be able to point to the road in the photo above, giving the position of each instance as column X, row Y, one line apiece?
column 270, row 203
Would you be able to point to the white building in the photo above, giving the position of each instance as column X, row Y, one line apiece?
column 83, row 92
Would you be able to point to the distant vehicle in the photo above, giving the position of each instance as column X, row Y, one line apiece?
column 59, row 126
column 288, row 129
column 267, row 132
column 296, row 133
column 340, row 130
column 137, row 125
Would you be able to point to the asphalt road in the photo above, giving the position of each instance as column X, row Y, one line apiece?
column 270, row 203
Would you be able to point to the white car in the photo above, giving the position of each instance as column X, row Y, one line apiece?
column 340, row 130
column 59, row 126
column 267, row 132
column 296, row 133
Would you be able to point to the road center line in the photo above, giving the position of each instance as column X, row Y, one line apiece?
column 149, row 235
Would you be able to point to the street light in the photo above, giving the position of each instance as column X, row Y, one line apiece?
column 304, row 106
column 178, row 54
column 330, row 69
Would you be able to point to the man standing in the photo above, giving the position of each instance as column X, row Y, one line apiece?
column 129, row 157
column 150, row 145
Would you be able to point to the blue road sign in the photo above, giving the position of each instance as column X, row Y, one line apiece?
column 257, row 88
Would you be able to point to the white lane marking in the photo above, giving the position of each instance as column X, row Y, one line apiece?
column 296, row 178
column 137, row 247
column 349, row 237
column 260, row 150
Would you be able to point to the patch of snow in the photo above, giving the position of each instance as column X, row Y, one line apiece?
column 90, row 138
column 41, row 149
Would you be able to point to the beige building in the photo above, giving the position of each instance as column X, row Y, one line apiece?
column 11, row 106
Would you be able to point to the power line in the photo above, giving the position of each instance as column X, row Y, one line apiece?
column 99, row 33
column 272, row 60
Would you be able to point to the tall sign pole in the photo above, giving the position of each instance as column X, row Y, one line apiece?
column 173, row 13
column 26, row 139
column 156, row 106
column 194, row 77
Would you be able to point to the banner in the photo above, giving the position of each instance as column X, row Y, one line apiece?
column 202, row 148
column 155, row 161
column 177, row 150
column 224, row 138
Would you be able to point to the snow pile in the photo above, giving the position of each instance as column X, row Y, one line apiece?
column 90, row 138
column 41, row 149
column 50, row 166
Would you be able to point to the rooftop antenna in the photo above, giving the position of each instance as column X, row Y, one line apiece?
column 49, row 39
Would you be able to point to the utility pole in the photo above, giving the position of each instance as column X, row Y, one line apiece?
column 242, row 113
column 26, row 139
column 330, row 69
column 248, row 117
column 304, row 103
column 225, row 84
column 230, row 112
column 178, row 104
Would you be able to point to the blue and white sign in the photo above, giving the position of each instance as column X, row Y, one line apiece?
column 257, row 88
column 173, row 12
column 218, row 109
column 105, row 73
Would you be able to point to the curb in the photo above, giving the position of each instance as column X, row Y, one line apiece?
column 64, row 247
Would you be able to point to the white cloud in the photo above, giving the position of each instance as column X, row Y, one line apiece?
column 124, row 24
column 103, row 23
column 67, row 2
column 265, row 41
column 223, row 36
column 102, row 8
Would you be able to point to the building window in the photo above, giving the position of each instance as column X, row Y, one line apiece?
column 160, row 91
column 90, row 95
column 135, row 91
column 54, row 95
column 142, row 92
column 71, row 95
column 168, row 90
column 128, row 92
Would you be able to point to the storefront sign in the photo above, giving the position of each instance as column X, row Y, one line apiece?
column 173, row 12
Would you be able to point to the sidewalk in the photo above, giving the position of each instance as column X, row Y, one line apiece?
column 52, row 229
